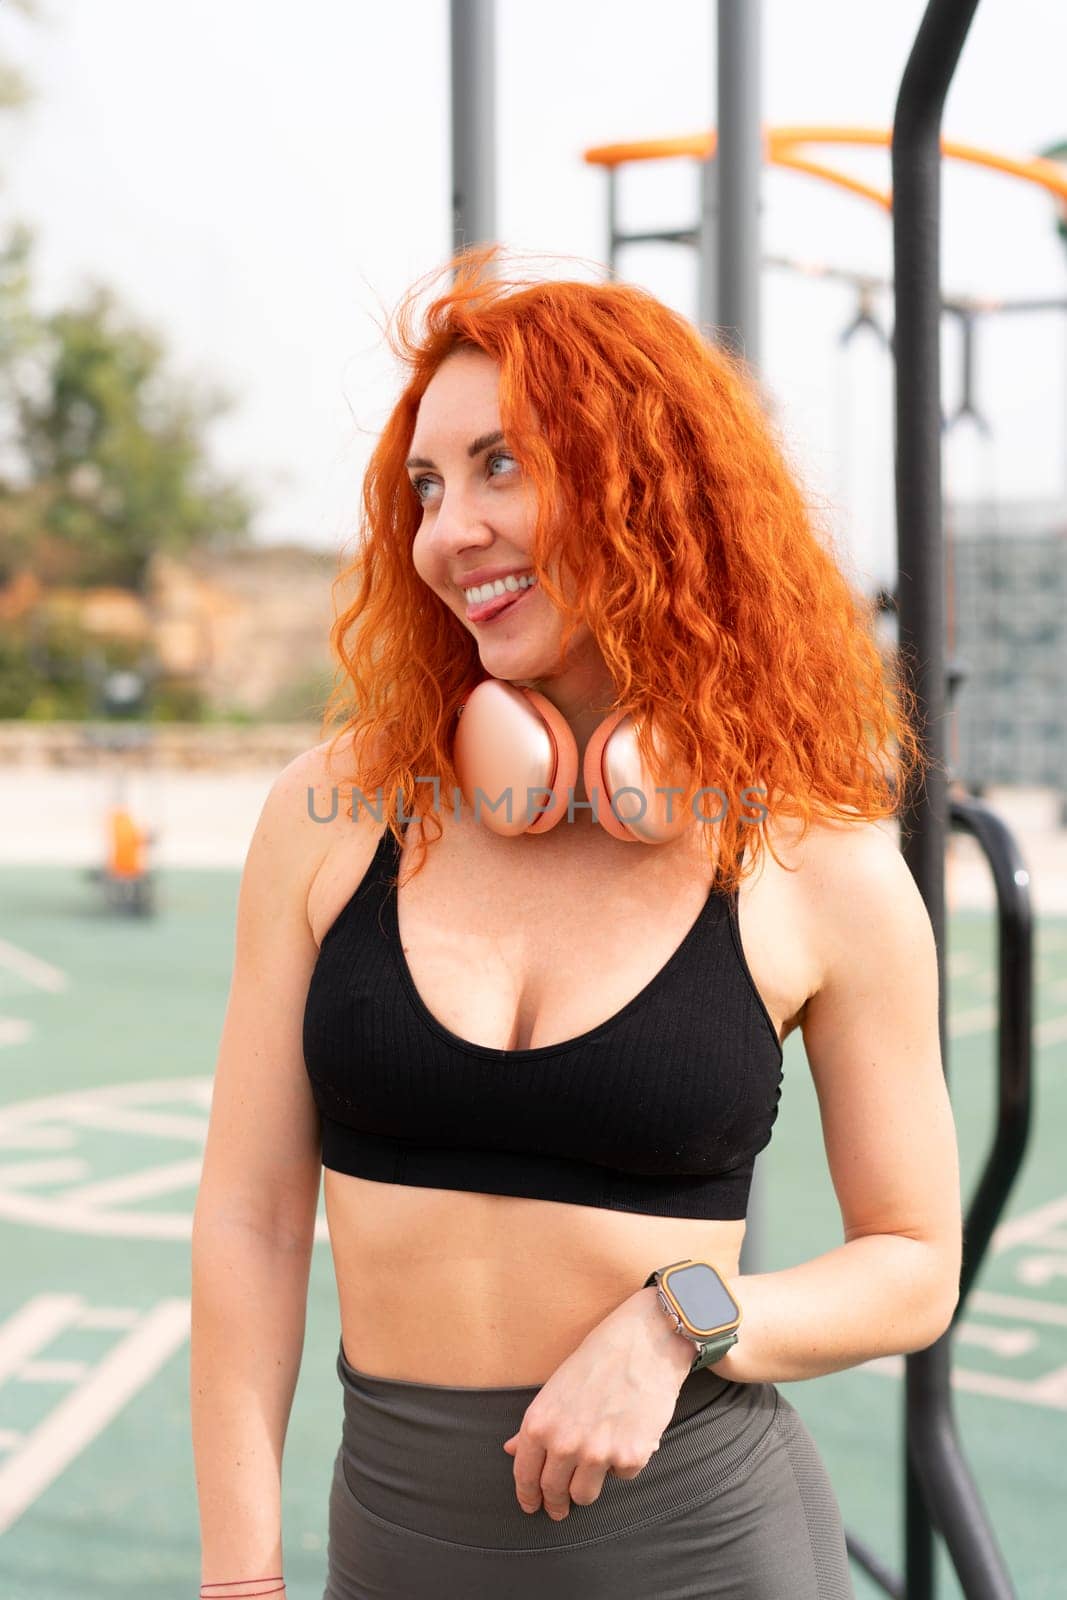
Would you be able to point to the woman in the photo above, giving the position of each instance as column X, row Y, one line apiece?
column 537, row 1064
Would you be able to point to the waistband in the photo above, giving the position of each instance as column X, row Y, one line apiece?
column 430, row 1458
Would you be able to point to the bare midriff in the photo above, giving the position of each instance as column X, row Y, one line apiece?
column 451, row 1287
column 460, row 1288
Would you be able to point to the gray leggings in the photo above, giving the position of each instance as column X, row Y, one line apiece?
column 735, row 1503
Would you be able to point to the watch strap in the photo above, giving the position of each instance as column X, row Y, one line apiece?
column 711, row 1350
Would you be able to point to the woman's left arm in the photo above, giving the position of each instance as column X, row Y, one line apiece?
column 871, row 1036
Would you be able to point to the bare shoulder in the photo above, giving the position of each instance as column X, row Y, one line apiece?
column 852, row 887
column 871, row 1038
column 339, row 838
column 306, row 810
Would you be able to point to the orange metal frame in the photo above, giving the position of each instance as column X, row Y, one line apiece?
column 781, row 150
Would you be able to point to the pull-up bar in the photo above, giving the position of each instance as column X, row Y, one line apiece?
column 781, row 150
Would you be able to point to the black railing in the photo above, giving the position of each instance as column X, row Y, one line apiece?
column 1015, row 1098
column 945, row 1498
column 939, row 1491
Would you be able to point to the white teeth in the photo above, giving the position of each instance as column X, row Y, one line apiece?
column 487, row 591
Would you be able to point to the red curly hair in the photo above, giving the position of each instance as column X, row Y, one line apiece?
column 665, row 497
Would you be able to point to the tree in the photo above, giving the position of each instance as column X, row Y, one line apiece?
column 102, row 456
column 15, row 91
column 110, row 452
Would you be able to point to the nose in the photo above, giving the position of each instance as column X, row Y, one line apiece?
column 460, row 524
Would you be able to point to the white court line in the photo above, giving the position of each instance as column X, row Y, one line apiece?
column 1054, row 1240
column 1037, row 1228
column 137, row 1185
column 17, row 1173
column 42, row 974
column 53, row 1371
column 1014, row 1305
column 27, row 1329
column 979, row 1019
column 1052, row 1031
column 34, row 1138
column 983, row 1019
column 1040, row 1268
column 1029, row 1227
column 77, row 1419
column 152, row 1124
column 1051, row 1390
column 1008, row 1343
column 14, row 1030
column 108, row 1317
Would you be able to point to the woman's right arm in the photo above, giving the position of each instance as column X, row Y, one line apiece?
column 254, row 1221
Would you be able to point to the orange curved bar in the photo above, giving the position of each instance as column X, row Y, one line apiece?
column 816, row 169
column 699, row 145
column 780, row 143
column 1050, row 175
column 702, row 146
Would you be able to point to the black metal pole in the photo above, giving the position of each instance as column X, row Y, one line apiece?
column 938, row 1484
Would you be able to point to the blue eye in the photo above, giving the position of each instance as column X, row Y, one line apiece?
column 497, row 455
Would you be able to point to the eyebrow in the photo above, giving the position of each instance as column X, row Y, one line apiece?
column 473, row 449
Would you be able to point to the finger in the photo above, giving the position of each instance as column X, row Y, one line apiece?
column 588, row 1482
column 556, row 1482
column 529, row 1465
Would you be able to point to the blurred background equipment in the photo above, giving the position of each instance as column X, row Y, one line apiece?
column 125, row 876
column 1006, row 563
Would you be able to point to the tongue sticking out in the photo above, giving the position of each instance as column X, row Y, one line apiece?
column 496, row 605
column 492, row 608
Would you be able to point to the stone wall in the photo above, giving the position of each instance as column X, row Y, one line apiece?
column 178, row 746
column 248, row 628
column 251, row 628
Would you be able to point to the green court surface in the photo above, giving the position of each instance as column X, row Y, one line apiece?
column 108, row 1034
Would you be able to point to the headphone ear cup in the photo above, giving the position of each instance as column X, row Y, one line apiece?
column 613, row 764
column 597, row 790
column 511, row 740
column 565, row 773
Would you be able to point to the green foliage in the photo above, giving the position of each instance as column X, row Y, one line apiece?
column 16, row 91
column 177, row 700
column 42, row 670
column 51, row 669
column 102, row 462
column 111, row 461
column 302, row 700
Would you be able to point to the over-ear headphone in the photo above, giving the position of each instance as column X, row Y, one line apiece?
column 514, row 752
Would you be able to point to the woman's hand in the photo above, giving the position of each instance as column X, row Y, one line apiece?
column 603, row 1410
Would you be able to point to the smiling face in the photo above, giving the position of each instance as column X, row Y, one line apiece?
column 478, row 517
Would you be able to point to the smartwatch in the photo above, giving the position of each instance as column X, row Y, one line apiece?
column 700, row 1307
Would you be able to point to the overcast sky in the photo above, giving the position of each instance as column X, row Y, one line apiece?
column 259, row 182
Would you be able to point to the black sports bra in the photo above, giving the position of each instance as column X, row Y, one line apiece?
column 661, row 1109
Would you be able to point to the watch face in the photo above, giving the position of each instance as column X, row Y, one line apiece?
column 702, row 1297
